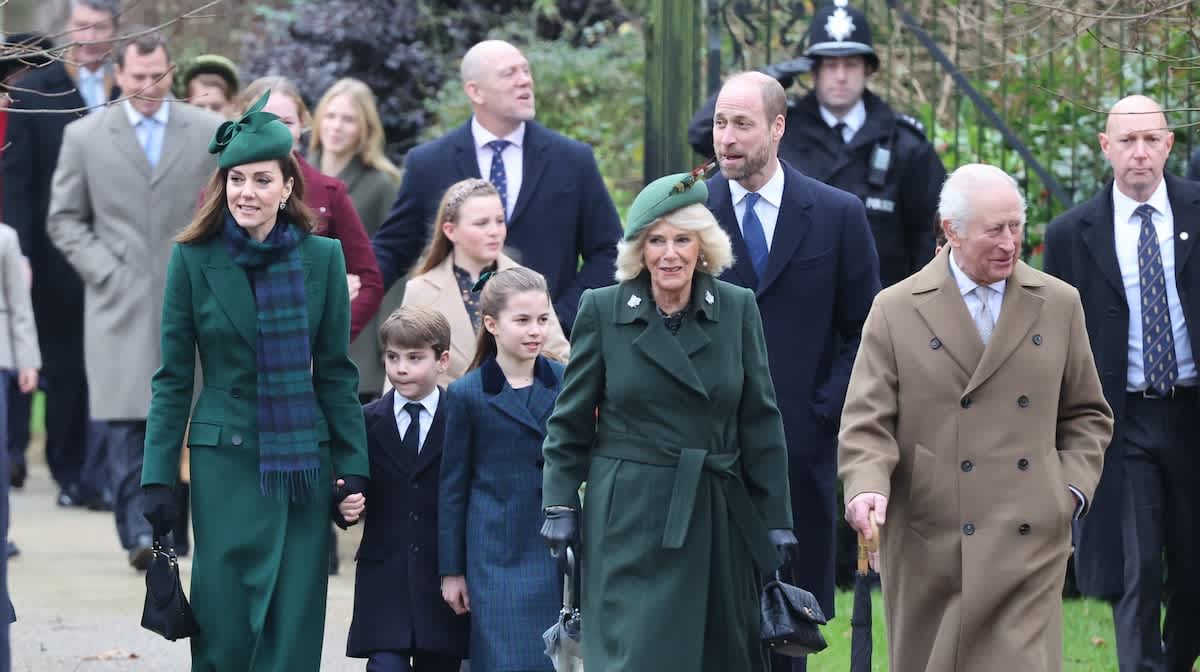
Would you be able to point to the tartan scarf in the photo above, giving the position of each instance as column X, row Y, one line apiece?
column 289, row 460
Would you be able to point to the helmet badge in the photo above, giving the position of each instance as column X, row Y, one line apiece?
column 839, row 25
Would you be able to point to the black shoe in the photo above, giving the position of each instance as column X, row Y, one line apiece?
column 69, row 496
column 99, row 503
column 142, row 554
column 17, row 472
column 13, row 551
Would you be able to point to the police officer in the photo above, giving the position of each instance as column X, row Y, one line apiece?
column 846, row 136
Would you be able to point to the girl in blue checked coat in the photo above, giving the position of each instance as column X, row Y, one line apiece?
column 492, row 562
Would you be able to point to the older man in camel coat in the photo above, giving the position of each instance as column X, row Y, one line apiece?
column 974, row 430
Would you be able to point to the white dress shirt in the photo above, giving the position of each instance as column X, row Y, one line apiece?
column 767, row 207
column 967, row 287
column 854, row 120
column 403, row 419
column 514, row 167
column 150, row 136
column 1128, row 227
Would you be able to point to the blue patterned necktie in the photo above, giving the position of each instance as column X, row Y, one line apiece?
column 1158, row 342
column 756, row 239
column 498, row 178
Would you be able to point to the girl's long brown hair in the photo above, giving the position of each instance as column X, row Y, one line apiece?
column 493, row 299
column 452, row 201
column 210, row 217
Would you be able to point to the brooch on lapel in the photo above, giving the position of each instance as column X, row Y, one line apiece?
column 708, row 297
column 634, row 301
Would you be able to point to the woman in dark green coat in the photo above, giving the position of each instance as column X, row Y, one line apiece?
column 668, row 412
column 266, row 306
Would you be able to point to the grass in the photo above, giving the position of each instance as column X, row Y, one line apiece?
column 1087, row 637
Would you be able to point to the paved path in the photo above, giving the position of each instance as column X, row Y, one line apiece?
column 79, row 603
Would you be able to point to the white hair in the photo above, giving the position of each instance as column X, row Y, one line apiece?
column 954, row 203
column 716, row 251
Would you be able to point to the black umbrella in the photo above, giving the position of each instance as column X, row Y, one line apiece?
column 563, row 638
column 860, row 619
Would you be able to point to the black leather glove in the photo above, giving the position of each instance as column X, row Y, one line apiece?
column 353, row 485
column 559, row 529
column 784, row 542
column 785, row 72
column 159, row 506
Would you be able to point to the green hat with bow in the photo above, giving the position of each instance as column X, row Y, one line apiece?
column 257, row 136
column 662, row 196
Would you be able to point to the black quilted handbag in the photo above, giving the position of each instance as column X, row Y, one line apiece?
column 790, row 617
column 166, row 610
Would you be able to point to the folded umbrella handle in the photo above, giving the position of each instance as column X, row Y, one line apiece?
column 569, row 578
column 866, row 547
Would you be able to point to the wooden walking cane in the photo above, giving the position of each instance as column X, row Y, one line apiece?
column 865, row 547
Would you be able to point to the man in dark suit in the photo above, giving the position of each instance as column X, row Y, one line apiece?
column 807, row 249
column 1128, row 252
column 78, row 84
column 557, row 205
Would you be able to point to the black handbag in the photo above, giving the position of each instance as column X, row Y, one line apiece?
column 790, row 617
column 166, row 610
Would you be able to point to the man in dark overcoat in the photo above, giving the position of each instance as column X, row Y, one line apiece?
column 808, row 252
column 77, row 84
column 844, row 135
column 1128, row 252
column 557, row 205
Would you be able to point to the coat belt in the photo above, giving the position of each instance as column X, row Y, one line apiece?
column 690, row 464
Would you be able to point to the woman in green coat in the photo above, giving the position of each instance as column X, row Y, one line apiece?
column 667, row 410
column 267, row 307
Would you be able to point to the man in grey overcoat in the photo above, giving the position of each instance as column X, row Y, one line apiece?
column 125, row 184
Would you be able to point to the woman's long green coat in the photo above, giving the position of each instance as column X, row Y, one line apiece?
column 259, row 575
column 686, row 467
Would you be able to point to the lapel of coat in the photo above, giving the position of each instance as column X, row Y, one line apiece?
column 431, row 449
column 670, row 352
column 1019, row 311
column 791, row 227
column 448, row 300
column 1185, row 211
column 544, row 393
column 1100, row 238
column 125, row 139
column 383, row 428
column 175, row 137
column 938, row 300
column 533, row 162
column 231, row 288
column 505, row 399
column 465, row 158
column 720, row 203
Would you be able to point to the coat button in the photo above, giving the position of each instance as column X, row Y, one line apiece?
column 1023, row 401
column 236, row 440
column 1023, row 464
column 968, row 529
column 966, row 402
column 1108, row 373
column 1112, row 311
column 414, row 515
column 414, row 548
column 1024, row 528
column 322, row 209
column 1037, row 339
column 967, row 465
column 935, row 343
column 236, row 393
column 416, row 485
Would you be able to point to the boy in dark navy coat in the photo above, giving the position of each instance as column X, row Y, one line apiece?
column 401, row 623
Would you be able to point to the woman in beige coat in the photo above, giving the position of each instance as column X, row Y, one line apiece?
column 468, row 240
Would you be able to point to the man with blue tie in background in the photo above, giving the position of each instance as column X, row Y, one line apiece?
column 1128, row 252
column 557, row 207
column 125, row 184
column 807, row 249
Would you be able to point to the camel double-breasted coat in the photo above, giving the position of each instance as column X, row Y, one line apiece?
column 975, row 449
